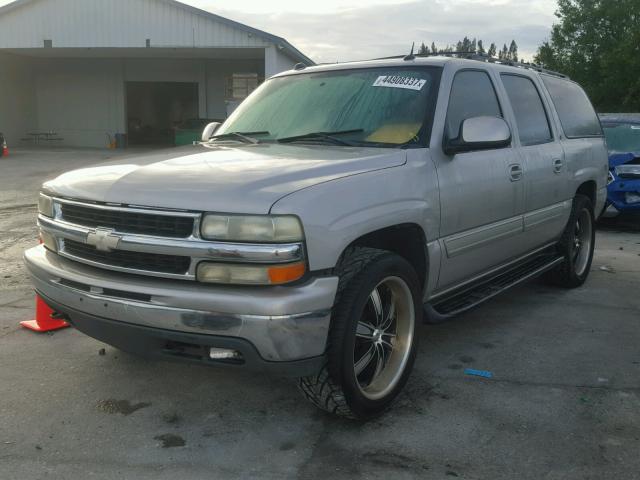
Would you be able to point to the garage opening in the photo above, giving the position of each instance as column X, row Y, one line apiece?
column 155, row 109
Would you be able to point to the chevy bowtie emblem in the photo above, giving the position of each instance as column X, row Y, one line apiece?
column 103, row 239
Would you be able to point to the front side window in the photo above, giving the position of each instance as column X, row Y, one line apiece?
column 576, row 114
column 375, row 106
column 531, row 118
column 472, row 95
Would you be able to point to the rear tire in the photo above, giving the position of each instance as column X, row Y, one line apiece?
column 576, row 246
column 373, row 340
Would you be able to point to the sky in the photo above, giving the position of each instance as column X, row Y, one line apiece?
column 338, row 31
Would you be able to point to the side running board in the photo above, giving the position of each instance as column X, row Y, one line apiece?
column 470, row 296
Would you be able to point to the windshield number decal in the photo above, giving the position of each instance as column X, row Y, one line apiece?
column 397, row 81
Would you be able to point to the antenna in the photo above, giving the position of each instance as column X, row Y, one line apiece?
column 411, row 56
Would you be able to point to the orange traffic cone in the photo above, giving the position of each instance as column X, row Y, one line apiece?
column 45, row 321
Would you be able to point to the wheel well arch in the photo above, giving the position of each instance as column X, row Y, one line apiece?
column 588, row 189
column 407, row 240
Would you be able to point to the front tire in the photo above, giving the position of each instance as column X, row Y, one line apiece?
column 373, row 337
column 576, row 246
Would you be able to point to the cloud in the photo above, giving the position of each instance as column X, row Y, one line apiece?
column 376, row 30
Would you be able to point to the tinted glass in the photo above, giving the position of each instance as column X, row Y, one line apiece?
column 574, row 108
column 531, row 117
column 472, row 95
column 623, row 137
column 383, row 106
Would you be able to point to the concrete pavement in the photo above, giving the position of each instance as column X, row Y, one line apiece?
column 563, row 403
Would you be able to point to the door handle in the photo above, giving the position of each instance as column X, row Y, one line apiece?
column 557, row 165
column 515, row 172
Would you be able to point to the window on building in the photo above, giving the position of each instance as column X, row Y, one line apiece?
column 240, row 85
column 531, row 117
column 576, row 114
column 472, row 95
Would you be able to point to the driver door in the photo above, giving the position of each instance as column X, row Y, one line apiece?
column 481, row 192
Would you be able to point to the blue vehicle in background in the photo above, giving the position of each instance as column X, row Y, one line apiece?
column 622, row 131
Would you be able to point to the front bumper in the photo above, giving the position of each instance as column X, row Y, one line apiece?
column 270, row 326
column 617, row 197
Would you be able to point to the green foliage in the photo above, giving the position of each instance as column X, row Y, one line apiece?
column 597, row 43
column 513, row 51
column 474, row 45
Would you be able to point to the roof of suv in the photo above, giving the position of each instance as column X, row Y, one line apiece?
column 435, row 61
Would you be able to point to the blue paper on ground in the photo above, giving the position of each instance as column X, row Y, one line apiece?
column 478, row 373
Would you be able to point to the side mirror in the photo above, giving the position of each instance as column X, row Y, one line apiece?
column 479, row 133
column 209, row 130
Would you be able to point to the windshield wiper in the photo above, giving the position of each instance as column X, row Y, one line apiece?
column 327, row 136
column 246, row 137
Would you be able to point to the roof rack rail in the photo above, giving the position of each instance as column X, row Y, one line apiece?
column 482, row 57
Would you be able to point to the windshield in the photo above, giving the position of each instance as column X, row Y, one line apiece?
column 375, row 106
column 622, row 137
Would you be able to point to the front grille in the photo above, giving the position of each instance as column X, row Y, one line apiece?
column 151, row 262
column 128, row 222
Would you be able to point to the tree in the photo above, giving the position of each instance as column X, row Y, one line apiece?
column 492, row 50
column 434, row 49
column 465, row 45
column 513, row 51
column 504, row 53
column 597, row 44
column 423, row 49
column 481, row 50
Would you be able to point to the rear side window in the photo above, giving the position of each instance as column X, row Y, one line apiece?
column 472, row 95
column 574, row 108
column 531, row 118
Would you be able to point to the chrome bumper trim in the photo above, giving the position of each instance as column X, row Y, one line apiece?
column 283, row 323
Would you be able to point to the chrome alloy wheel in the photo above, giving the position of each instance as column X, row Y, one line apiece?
column 582, row 241
column 384, row 336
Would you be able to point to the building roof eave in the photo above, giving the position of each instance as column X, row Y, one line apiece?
column 278, row 41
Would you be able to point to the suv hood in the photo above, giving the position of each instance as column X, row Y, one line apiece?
column 231, row 179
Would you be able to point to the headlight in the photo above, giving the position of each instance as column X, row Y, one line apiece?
column 45, row 205
column 250, row 274
column 610, row 178
column 628, row 171
column 253, row 228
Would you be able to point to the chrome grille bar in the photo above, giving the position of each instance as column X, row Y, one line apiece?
column 193, row 247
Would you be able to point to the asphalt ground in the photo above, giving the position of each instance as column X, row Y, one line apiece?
column 563, row 403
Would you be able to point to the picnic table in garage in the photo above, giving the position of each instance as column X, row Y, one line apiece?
column 36, row 137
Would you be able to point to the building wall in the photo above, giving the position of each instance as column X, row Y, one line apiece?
column 80, row 99
column 276, row 61
column 90, row 23
column 64, row 77
column 84, row 100
column 17, row 98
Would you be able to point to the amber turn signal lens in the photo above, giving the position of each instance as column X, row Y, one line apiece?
column 286, row 273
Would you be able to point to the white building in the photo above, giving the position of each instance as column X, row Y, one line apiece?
column 88, row 69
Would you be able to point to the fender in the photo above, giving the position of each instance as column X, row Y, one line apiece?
column 336, row 213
